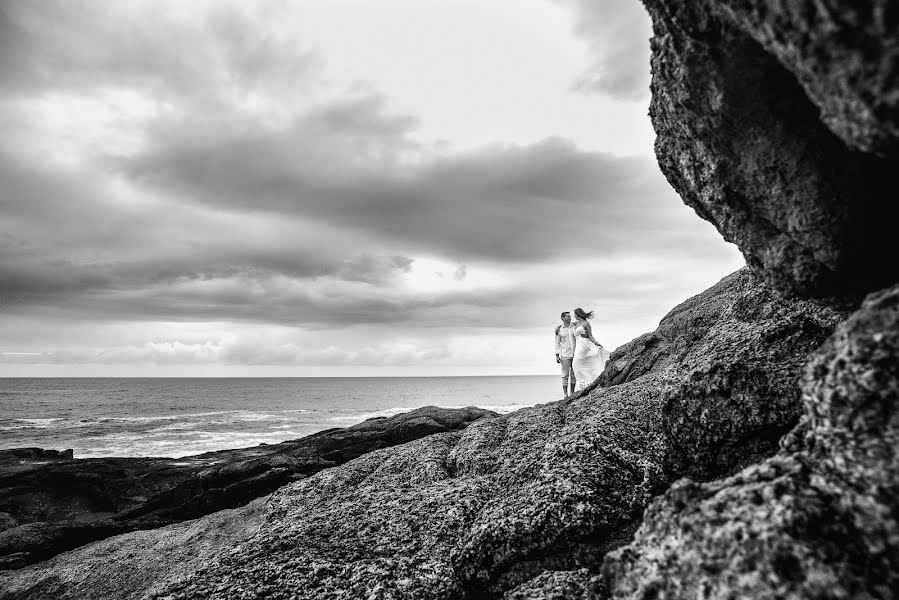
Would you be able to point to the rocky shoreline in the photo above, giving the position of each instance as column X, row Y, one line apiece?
column 51, row 502
column 747, row 448
column 486, row 510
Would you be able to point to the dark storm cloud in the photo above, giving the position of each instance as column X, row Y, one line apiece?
column 617, row 34
column 500, row 204
column 70, row 248
column 184, row 284
column 264, row 300
column 373, row 269
column 64, row 237
column 353, row 196
column 342, row 167
column 350, row 164
column 62, row 45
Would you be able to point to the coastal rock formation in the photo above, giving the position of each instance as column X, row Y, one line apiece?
column 133, row 564
column 718, row 415
column 777, row 122
column 844, row 54
column 819, row 520
column 50, row 502
column 482, row 512
column 761, row 109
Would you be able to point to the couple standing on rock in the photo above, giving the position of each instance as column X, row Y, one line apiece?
column 581, row 356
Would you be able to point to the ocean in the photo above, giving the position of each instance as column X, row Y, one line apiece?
column 176, row 417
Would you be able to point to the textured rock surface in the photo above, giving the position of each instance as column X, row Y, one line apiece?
column 820, row 520
column 131, row 565
column 777, row 122
column 501, row 506
column 560, row 585
column 744, row 144
column 718, row 415
column 50, row 502
column 845, row 55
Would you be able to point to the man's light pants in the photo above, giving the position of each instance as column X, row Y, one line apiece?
column 566, row 370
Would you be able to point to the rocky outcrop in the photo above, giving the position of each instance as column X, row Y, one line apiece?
column 820, row 520
column 845, row 55
column 777, row 122
column 513, row 504
column 50, row 502
column 761, row 109
column 718, row 415
column 131, row 565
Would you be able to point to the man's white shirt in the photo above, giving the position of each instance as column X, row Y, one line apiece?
column 565, row 341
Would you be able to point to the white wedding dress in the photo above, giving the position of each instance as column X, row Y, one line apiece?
column 589, row 360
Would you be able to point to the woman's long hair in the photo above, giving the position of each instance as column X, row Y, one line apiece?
column 580, row 313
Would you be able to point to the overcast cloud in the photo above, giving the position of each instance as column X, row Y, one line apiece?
column 193, row 184
column 617, row 34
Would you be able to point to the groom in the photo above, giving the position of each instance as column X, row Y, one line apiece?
column 564, row 344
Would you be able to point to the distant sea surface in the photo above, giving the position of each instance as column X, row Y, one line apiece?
column 177, row 417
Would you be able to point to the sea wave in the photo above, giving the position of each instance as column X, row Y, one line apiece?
column 388, row 412
column 158, row 418
column 127, row 445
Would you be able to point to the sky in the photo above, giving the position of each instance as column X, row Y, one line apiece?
column 330, row 187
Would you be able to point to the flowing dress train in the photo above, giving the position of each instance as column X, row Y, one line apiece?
column 589, row 360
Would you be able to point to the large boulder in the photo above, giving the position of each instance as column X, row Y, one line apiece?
column 819, row 520
column 51, row 502
column 777, row 122
column 718, row 415
column 543, row 492
column 761, row 110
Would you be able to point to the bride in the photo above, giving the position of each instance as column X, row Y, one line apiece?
column 589, row 355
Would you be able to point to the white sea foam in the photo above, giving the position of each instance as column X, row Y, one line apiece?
column 172, row 417
column 388, row 412
column 141, row 417
column 204, row 441
column 504, row 408
column 357, row 417
column 42, row 422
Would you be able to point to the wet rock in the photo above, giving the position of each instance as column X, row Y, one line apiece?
column 14, row 457
column 819, row 520
column 746, row 99
column 50, row 502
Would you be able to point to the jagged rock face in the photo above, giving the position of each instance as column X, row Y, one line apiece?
column 844, row 54
column 719, row 415
column 738, row 91
column 481, row 512
column 820, row 520
column 852, row 401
